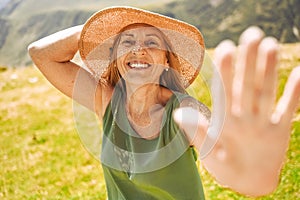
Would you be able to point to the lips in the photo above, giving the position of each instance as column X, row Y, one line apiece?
column 138, row 65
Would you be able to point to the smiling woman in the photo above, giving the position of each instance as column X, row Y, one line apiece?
column 148, row 88
column 138, row 65
column 140, row 55
column 145, row 42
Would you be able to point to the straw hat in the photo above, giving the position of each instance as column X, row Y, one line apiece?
column 101, row 28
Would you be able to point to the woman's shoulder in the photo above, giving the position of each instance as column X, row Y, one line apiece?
column 178, row 99
column 191, row 102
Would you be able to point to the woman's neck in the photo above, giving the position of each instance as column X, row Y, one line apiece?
column 142, row 97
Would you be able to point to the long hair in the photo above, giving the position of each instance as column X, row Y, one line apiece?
column 169, row 79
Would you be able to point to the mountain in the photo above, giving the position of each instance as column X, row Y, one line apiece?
column 222, row 19
column 23, row 21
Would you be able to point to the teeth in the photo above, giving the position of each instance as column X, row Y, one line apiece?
column 138, row 65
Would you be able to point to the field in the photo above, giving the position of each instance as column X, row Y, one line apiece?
column 42, row 157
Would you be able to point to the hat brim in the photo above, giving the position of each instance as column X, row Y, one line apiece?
column 100, row 29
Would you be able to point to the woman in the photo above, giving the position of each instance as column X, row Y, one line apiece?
column 136, row 85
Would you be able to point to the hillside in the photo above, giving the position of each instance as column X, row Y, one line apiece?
column 23, row 21
column 222, row 19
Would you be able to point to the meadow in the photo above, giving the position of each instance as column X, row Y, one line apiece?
column 42, row 156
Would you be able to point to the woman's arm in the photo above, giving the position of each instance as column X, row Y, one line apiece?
column 251, row 147
column 53, row 54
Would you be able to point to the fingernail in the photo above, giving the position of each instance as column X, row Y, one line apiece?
column 225, row 47
column 251, row 34
column 269, row 43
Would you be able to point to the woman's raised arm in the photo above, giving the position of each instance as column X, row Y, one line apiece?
column 53, row 54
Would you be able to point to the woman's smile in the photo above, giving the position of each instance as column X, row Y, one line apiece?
column 141, row 55
column 138, row 65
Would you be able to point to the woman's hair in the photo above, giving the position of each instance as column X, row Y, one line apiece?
column 169, row 79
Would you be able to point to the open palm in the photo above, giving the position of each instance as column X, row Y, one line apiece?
column 255, row 136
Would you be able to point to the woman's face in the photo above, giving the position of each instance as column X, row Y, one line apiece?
column 141, row 55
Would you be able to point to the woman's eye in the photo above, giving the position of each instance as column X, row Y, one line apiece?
column 128, row 43
column 151, row 43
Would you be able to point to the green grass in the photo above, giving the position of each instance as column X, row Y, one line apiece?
column 41, row 155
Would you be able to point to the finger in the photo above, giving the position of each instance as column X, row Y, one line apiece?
column 289, row 101
column 224, row 58
column 245, row 69
column 265, row 79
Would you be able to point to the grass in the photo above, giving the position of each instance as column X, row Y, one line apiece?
column 41, row 155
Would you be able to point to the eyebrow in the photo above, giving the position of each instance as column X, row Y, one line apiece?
column 150, row 34
column 128, row 34
column 153, row 34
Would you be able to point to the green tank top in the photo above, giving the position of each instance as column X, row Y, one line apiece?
column 134, row 168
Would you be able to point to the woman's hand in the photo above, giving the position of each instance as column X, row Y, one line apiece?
column 251, row 148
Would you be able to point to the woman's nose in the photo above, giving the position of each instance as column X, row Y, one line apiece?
column 138, row 49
